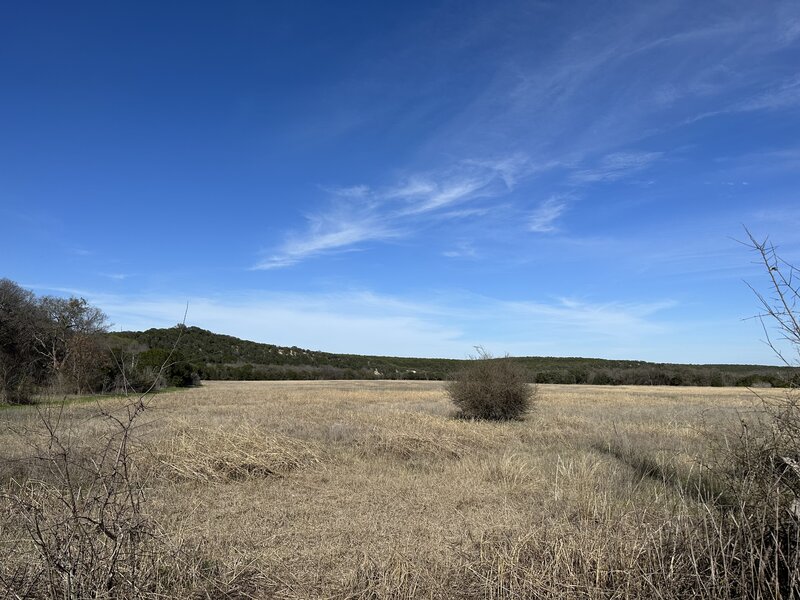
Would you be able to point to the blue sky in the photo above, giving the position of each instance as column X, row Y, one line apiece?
column 416, row 178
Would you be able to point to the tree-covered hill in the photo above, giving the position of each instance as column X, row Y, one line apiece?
column 217, row 356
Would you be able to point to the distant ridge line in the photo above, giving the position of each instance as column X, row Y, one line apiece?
column 222, row 356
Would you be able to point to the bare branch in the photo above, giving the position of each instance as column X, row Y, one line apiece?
column 780, row 307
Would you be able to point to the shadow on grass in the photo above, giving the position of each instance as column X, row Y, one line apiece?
column 76, row 399
column 699, row 483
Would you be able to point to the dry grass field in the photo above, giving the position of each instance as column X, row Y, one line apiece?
column 375, row 490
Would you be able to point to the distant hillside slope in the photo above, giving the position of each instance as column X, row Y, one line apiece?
column 217, row 356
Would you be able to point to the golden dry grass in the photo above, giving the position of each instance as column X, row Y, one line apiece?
column 374, row 490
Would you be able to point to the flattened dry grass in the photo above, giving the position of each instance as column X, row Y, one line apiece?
column 205, row 454
column 373, row 489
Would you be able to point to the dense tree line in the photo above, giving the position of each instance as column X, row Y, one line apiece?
column 226, row 357
column 692, row 375
column 48, row 342
column 202, row 347
column 61, row 345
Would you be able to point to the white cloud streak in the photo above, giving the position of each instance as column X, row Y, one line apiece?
column 785, row 95
column 339, row 231
column 360, row 214
column 542, row 220
column 624, row 75
column 612, row 320
column 461, row 250
column 617, row 166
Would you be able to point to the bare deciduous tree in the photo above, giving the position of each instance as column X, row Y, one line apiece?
column 779, row 305
column 70, row 342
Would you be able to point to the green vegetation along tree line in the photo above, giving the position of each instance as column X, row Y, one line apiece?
column 52, row 345
column 58, row 345
column 215, row 356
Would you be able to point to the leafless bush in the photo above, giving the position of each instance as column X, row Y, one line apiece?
column 491, row 388
column 78, row 511
column 82, row 511
column 736, row 533
column 764, row 461
column 751, row 536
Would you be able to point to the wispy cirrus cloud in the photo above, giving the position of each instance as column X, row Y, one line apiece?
column 341, row 230
column 461, row 250
column 616, row 166
column 784, row 95
column 353, row 191
column 606, row 87
column 511, row 168
column 360, row 214
column 543, row 219
column 581, row 108
column 445, row 195
column 609, row 319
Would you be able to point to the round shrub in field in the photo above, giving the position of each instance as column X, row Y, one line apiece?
column 491, row 388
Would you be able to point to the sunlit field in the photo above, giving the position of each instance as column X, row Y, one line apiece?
column 375, row 490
